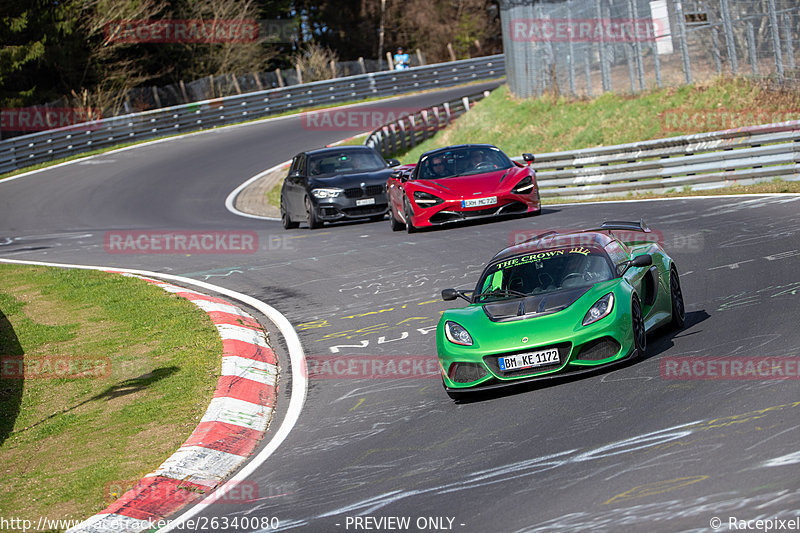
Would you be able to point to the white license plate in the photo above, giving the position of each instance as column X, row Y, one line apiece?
column 365, row 201
column 477, row 202
column 528, row 360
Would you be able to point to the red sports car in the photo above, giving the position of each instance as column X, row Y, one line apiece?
column 461, row 182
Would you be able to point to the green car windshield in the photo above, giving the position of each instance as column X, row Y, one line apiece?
column 544, row 271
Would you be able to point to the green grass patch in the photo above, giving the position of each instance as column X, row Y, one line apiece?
column 146, row 365
column 775, row 186
column 556, row 124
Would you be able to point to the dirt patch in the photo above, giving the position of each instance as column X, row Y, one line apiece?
column 253, row 199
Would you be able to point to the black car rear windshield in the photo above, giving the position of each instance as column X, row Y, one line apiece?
column 345, row 162
column 463, row 162
column 544, row 271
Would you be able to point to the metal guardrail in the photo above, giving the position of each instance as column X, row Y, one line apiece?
column 35, row 148
column 699, row 161
column 412, row 129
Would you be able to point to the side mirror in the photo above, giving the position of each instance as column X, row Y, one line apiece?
column 448, row 295
column 295, row 174
column 638, row 261
column 393, row 162
column 528, row 158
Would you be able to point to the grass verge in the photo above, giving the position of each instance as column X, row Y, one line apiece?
column 147, row 364
column 776, row 186
column 551, row 124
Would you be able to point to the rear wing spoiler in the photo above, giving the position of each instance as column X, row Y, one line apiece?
column 623, row 225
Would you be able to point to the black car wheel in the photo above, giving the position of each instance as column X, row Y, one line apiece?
column 285, row 220
column 676, row 294
column 311, row 216
column 408, row 212
column 396, row 224
column 639, row 332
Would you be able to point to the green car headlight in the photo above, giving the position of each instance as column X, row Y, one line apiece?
column 456, row 334
column 601, row 308
column 326, row 193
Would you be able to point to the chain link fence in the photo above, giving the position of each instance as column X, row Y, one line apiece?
column 587, row 47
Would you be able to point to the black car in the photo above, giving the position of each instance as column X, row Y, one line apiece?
column 330, row 184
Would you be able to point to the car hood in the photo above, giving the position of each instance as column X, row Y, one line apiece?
column 344, row 181
column 534, row 305
column 474, row 184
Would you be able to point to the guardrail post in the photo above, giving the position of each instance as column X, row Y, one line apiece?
column 687, row 66
column 637, row 45
column 776, row 37
column 751, row 46
column 728, row 28
column 605, row 74
column 715, row 50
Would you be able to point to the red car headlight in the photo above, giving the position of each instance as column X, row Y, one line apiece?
column 425, row 199
column 525, row 186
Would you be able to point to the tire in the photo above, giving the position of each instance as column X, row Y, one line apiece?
column 539, row 200
column 396, row 224
column 311, row 216
column 676, row 296
column 285, row 220
column 637, row 323
column 408, row 212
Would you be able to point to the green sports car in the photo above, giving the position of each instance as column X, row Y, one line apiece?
column 557, row 304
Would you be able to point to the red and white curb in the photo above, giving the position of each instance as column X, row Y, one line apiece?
column 226, row 436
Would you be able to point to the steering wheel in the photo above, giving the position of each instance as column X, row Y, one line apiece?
column 571, row 276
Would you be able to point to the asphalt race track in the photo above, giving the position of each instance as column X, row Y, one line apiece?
column 638, row 448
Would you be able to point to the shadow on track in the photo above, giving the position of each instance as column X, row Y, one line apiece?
column 124, row 388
